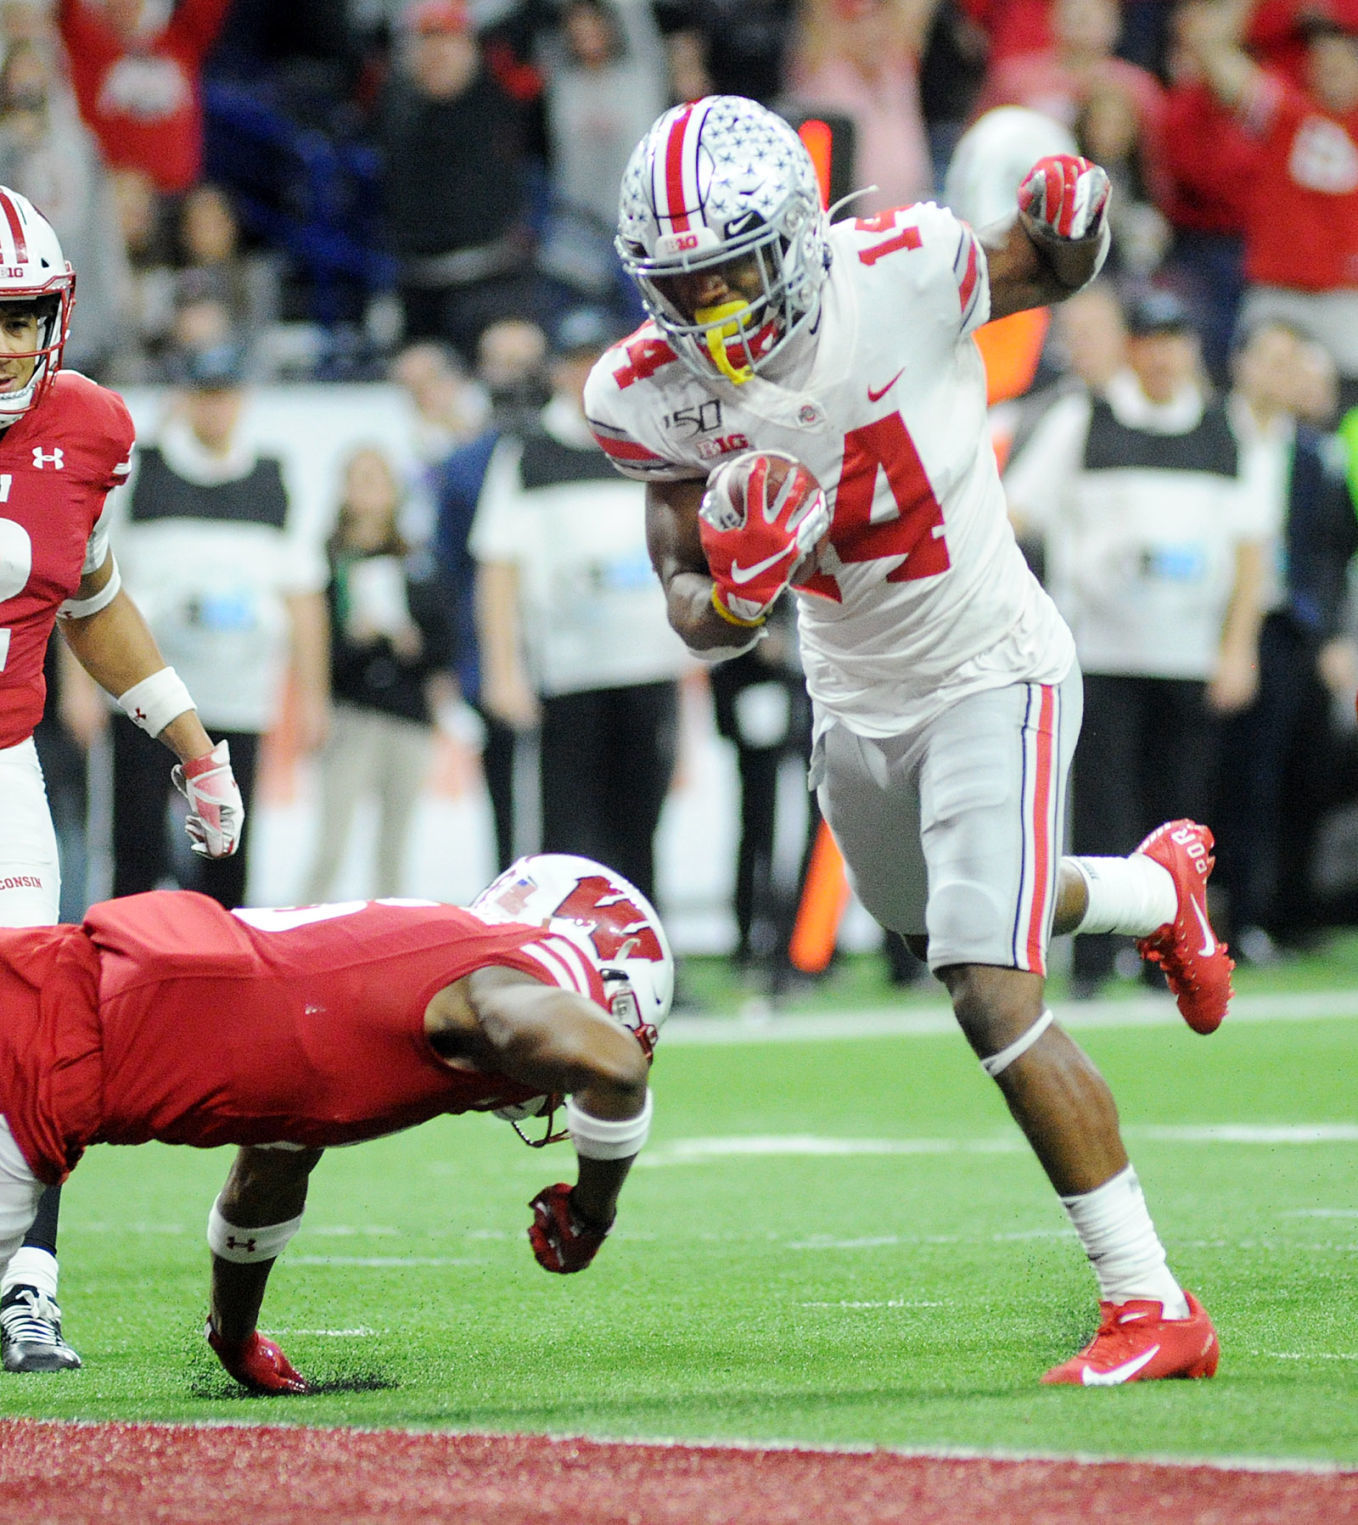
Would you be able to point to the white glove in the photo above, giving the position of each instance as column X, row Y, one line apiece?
column 216, row 814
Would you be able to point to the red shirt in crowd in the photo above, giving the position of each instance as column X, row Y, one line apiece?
column 142, row 99
column 165, row 1017
column 1303, row 220
column 1209, row 162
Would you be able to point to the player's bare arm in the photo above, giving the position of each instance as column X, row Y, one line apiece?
column 505, row 1022
column 677, row 556
column 726, row 550
column 115, row 646
column 1055, row 242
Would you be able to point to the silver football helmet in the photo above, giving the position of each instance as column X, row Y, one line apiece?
column 715, row 181
column 33, row 271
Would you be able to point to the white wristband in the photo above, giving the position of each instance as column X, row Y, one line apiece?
column 248, row 1246
column 82, row 608
column 598, row 1138
column 154, row 702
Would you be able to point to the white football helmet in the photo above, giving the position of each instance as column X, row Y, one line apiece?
column 33, row 270
column 607, row 919
column 717, row 180
column 993, row 155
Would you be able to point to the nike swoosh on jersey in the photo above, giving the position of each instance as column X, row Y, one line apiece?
column 744, row 574
column 876, row 394
column 1117, row 1374
column 1209, row 944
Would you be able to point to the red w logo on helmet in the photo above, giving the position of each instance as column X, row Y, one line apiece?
column 617, row 927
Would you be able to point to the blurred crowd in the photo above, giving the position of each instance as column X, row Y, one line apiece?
column 424, row 191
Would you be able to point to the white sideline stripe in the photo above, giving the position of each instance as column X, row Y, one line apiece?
column 891, row 1302
column 698, row 1151
column 380, row 1261
column 1312, row 1355
column 362, row 1332
column 348, row 1230
column 922, row 1022
column 1303, row 1466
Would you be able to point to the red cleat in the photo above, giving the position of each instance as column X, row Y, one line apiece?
column 1137, row 1343
column 257, row 1363
column 1195, row 963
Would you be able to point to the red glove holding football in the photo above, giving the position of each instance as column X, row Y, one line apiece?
column 216, row 813
column 761, row 514
column 1066, row 197
column 257, row 1363
column 561, row 1240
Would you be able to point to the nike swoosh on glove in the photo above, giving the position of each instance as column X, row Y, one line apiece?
column 216, row 813
column 561, row 1241
column 761, row 514
column 1065, row 195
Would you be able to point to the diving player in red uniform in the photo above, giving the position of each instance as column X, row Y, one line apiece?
column 164, row 1016
column 64, row 443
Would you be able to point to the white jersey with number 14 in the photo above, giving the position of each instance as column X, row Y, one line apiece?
column 923, row 595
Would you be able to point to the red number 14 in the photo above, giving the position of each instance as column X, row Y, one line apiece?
column 915, row 532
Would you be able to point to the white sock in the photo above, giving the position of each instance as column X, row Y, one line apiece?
column 1115, row 1228
column 1132, row 895
column 31, row 1267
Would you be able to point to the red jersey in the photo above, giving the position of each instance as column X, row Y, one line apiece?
column 196, row 1025
column 143, row 99
column 57, row 464
column 1303, row 224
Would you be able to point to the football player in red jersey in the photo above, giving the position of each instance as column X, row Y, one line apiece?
column 164, row 1016
column 64, row 443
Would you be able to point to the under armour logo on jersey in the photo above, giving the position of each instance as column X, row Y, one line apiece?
column 51, row 458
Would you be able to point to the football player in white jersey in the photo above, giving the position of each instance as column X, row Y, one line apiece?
column 808, row 409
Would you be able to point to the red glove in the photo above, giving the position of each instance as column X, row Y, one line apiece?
column 257, row 1363
column 561, row 1240
column 216, row 813
column 761, row 514
column 1067, row 197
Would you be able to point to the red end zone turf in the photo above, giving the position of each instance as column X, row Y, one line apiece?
column 70, row 1474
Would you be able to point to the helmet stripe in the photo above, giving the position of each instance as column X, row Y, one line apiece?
column 675, row 207
column 16, row 230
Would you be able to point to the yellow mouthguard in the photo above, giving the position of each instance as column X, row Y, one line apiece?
column 717, row 337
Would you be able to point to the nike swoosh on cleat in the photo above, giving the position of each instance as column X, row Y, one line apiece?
column 744, row 574
column 1209, row 945
column 876, row 394
column 1118, row 1374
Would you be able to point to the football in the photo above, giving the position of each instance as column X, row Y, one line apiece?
column 763, row 480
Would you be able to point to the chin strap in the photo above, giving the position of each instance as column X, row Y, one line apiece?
column 727, row 314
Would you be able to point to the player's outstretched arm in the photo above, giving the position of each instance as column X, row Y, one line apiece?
column 258, row 1210
column 559, row 1042
column 1057, row 239
column 114, row 644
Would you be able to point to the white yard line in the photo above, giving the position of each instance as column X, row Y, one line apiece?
column 917, row 1021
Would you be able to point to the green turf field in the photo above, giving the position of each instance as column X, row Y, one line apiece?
column 830, row 1239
